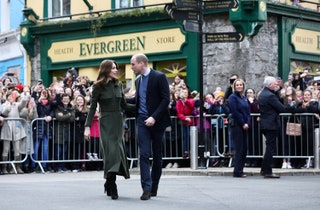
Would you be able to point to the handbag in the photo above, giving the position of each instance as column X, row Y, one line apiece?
column 293, row 129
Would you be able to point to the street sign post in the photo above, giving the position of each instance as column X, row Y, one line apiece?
column 186, row 4
column 220, row 4
column 224, row 37
column 185, row 15
column 191, row 26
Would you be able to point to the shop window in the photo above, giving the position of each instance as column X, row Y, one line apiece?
column 298, row 66
column 173, row 69
column 310, row 71
column 128, row 3
column 58, row 8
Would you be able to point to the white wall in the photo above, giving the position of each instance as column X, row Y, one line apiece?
column 5, row 15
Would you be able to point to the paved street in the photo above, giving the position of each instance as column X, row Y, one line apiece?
column 179, row 189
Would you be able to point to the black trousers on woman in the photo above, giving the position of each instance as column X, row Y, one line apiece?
column 240, row 143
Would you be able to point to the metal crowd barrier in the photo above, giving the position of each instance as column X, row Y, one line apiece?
column 304, row 145
column 14, row 130
column 61, row 146
column 56, row 145
column 218, row 145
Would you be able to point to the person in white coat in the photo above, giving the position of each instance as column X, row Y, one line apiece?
column 12, row 130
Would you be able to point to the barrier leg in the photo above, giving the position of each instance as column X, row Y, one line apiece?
column 193, row 147
column 230, row 162
column 316, row 149
column 202, row 160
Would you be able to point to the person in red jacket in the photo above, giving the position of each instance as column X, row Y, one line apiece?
column 185, row 106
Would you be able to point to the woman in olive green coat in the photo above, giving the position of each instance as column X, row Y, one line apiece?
column 107, row 91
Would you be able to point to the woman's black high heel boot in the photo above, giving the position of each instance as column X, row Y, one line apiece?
column 107, row 188
column 113, row 186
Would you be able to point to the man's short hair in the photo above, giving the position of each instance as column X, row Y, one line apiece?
column 269, row 80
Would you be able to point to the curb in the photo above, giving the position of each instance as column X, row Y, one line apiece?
column 224, row 171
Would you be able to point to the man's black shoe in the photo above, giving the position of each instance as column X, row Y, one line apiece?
column 154, row 191
column 145, row 195
column 271, row 176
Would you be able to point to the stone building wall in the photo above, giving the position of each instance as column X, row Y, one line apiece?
column 252, row 59
column 35, row 64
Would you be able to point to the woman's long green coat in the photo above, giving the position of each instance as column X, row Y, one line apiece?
column 112, row 103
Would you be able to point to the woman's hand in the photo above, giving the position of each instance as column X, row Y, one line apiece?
column 47, row 118
column 87, row 133
column 245, row 126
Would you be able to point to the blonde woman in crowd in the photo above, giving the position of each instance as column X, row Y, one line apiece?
column 81, row 113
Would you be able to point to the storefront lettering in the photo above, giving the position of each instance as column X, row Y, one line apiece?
column 116, row 46
column 63, row 51
column 165, row 40
column 304, row 40
column 158, row 41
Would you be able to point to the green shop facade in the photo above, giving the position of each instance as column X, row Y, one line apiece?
column 54, row 47
column 83, row 44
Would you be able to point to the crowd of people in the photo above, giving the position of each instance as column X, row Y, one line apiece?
column 299, row 92
column 68, row 102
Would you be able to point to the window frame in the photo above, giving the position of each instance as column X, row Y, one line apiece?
column 132, row 3
column 61, row 10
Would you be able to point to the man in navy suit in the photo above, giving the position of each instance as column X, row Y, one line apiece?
column 270, row 107
column 152, row 115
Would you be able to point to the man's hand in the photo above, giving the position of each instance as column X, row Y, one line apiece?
column 150, row 121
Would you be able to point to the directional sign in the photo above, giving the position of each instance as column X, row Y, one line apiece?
column 224, row 37
column 185, row 15
column 191, row 26
column 186, row 4
column 220, row 4
column 234, row 4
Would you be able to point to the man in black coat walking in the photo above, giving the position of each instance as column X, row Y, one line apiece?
column 270, row 107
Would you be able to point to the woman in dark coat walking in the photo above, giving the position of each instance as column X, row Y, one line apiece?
column 108, row 92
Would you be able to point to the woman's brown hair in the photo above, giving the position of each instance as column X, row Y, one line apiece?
column 104, row 72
